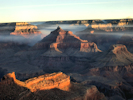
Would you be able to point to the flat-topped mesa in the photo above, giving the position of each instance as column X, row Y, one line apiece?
column 118, row 49
column 21, row 23
column 23, row 28
column 44, row 82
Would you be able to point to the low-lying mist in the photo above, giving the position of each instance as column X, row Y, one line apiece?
column 28, row 39
column 47, row 28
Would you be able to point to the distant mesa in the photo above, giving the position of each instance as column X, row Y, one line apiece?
column 113, row 22
column 18, row 28
column 109, row 26
column 24, row 28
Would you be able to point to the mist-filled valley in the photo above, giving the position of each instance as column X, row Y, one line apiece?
column 94, row 58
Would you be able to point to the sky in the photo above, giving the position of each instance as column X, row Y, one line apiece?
column 52, row 10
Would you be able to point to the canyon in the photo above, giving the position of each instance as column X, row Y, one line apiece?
column 92, row 64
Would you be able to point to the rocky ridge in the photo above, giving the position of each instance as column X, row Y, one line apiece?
column 115, row 56
column 55, row 80
column 115, row 21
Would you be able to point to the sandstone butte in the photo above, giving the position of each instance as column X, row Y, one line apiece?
column 23, row 28
column 60, row 39
column 44, row 82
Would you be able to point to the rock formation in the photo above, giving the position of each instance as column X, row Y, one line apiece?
column 20, row 32
column 43, row 82
column 115, row 56
column 61, row 40
column 63, row 48
column 114, row 22
column 127, row 39
column 18, row 28
column 110, row 71
column 43, row 87
column 24, row 28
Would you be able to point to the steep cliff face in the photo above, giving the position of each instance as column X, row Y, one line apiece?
column 24, row 28
column 44, row 87
column 18, row 28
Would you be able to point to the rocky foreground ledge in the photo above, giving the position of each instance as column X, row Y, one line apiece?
column 55, row 86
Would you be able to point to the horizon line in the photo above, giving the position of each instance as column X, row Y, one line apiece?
column 69, row 20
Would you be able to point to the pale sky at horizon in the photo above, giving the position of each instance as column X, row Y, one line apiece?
column 49, row 10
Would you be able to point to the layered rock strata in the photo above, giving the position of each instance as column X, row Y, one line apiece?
column 48, row 87
column 43, row 82
column 24, row 28
column 61, row 40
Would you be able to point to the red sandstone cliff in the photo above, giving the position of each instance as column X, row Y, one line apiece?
column 45, row 87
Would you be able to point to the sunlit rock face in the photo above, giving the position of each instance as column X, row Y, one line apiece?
column 48, row 84
column 20, row 32
column 18, row 28
column 24, row 28
column 43, row 82
column 61, row 40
